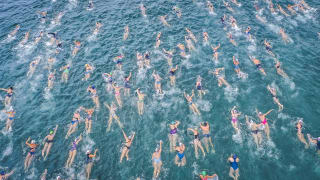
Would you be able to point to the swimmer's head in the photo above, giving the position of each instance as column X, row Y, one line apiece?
column 33, row 142
column 51, row 132
column 87, row 65
column 111, row 74
column 2, row 173
column 260, row 113
column 300, row 121
column 93, row 87
column 234, row 156
column 204, row 173
column 58, row 177
column 180, row 144
column 11, row 88
column 205, row 123
column 88, row 152
column 173, row 123
column 157, row 149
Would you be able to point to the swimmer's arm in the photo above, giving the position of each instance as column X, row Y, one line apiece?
column 44, row 139
column 129, row 76
column 133, row 136
column 190, row 129
column 124, row 135
column 160, row 147
column 107, row 105
column 177, row 123
column 27, row 142
column 55, row 130
column 247, row 120
column 4, row 89
column 268, row 112
column 79, row 139
column 176, row 67
column 9, row 174
column 192, row 93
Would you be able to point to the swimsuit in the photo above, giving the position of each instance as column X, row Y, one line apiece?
column 236, row 66
column 318, row 145
column 73, row 146
column 180, row 155
column 258, row 66
column 74, row 121
column 173, row 131
column 126, row 84
column 196, row 137
column 234, row 120
column 171, row 73
column 10, row 118
column 234, row 164
column 9, row 94
column 206, row 135
column 264, row 121
column 255, row 131
column 49, row 141
column 157, row 160
column 89, row 159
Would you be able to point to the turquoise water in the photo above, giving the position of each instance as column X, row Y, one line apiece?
column 38, row 111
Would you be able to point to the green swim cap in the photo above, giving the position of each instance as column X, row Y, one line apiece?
column 204, row 173
column 51, row 132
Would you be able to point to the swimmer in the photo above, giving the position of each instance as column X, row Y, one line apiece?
column 197, row 142
column 180, row 159
column 215, row 52
column 235, row 2
column 315, row 141
column 51, row 79
column 268, row 47
column 156, row 161
column 255, row 131
column 73, row 151
column 172, row 75
column 284, row 36
column 206, row 137
column 227, row 5
column 43, row 15
column 158, row 41
column 168, row 55
column 231, row 39
column 93, row 93
column 44, row 175
column 14, row 32
column 118, row 61
column 87, row 73
column 58, row 18
column 199, row 87
column 143, row 10
column 191, row 35
column 282, row 11
column 258, row 65
column 192, row 105
column 74, row 122
column 97, row 28
column 47, row 141
column 189, row 43
column 89, row 162
column 31, row 153
column 7, row 100
column 127, row 85
column 205, row 38
column 88, row 121
column 220, row 77
column 90, row 5
column 37, row 39
column 140, row 101
column 126, row 146
column 236, row 65
column 234, row 119
column 234, row 167
column 210, row 6
column 264, row 122
column 117, row 93
column 53, row 37
column 204, row 176
column 147, row 59
column 112, row 115
column 173, row 135
column 274, row 97
column 51, row 61
column 279, row 69
column 263, row 20
column 300, row 6
column 271, row 7
column 157, row 82
column 140, row 62
column 300, row 133
column 304, row 4
column 233, row 22
column 182, row 50
column 290, row 8
column 4, row 175
column 223, row 19
column 65, row 73
column 108, row 79
column 11, row 113
column 248, row 32
column 163, row 20
column 25, row 39
column 33, row 66
column 126, row 32
column 76, row 48
column 177, row 11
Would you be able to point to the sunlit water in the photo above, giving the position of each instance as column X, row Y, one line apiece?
column 39, row 110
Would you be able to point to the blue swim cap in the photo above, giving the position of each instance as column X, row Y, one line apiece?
column 2, row 172
column 93, row 87
column 234, row 156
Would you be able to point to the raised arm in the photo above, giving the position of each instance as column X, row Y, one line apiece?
column 177, row 123
column 78, row 140
column 247, row 120
column 268, row 112
column 107, row 106
column 160, row 147
column 4, row 89
column 129, row 76
column 124, row 135
column 190, row 129
column 192, row 94
column 9, row 174
column 133, row 136
column 27, row 142
column 55, row 130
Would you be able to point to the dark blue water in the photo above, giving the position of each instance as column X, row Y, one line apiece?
column 39, row 110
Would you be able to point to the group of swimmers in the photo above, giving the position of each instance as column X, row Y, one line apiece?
column 176, row 145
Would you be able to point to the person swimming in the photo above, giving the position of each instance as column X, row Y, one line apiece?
column 264, row 122
column 172, row 76
column 4, row 175
column 206, row 137
column 156, row 161
column 180, row 159
column 315, row 141
column 11, row 114
column 112, row 115
column 274, row 97
column 300, row 133
column 255, row 131
column 48, row 141
column 258, row 65
column 234, row 167
column 31, row 153
column 140, row 102
column 73, row 151
column 89, row 162
column 126, row 146
column 197, row 142
column 191, row 104
column 173, row 135
column 94, row 96
column 8, row 97
column 199, row 87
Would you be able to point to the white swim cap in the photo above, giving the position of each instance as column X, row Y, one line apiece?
column 33, row 142
column 88, row 151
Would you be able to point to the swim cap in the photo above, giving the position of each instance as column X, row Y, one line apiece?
column 51, row 132
column 111, row 73
column 205, row 123
column 88, row 151
column 129, row 137
column 58, row 177
column 2, row 172
column 173, row 122
column 260, row 113
column 93, row 87
column 234, row 156
column 87, row 65
column 204, row 173
column 33, row 142
column 157, row 149
column 180, row 143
